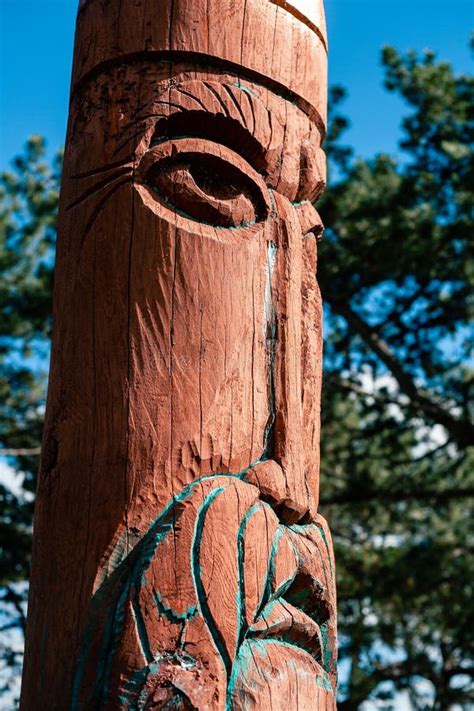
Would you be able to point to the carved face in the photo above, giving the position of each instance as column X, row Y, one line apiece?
column 199, row 197
column 214, row 176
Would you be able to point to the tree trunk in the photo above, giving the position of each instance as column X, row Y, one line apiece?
column 179, row 560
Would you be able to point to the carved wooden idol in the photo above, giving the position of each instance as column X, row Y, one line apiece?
column 179, row 560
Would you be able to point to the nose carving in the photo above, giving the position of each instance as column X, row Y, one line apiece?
column 309, row 219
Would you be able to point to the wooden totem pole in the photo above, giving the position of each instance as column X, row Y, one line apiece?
column 179, row 560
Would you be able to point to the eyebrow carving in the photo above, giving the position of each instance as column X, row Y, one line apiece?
column 216, row 127
column 220, row 117
column 233, row 99
column 225, row 112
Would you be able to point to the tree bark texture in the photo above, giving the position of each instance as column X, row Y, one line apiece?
column 179, row 560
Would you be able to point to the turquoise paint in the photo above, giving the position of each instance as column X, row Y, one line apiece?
column 322, row 678
column 324, row 682
column 141, row 627
column 281, row 590
column 131, row 576
column 130, row 696
column 283, row 587
column 327, row 660
column 186, row 493
column 111, row 635
column 241, row 662
column 264, row 614
column 134, row 695
column 196, row 569
column 323, row 536
column 172, row 615
column 132, row 572
column 267, row 592
column 327, row 651
column 240, row 602
column 132, row 579
column 244, row 88
column 255, row 636
column 238, row 669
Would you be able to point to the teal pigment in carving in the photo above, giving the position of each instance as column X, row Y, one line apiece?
column 196, row 568
column 241, row 582
column 244, row 88
column 171, row 615
column 125, row 583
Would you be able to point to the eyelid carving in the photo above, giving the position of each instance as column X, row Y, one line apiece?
column 205, row 182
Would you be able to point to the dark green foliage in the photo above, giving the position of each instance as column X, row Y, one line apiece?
column 396, row 271
column 28, row 207
column 397, row 277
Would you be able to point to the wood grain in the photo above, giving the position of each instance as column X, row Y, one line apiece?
column 179, row 560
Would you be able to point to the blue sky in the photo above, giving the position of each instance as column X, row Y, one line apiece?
column 36, row 38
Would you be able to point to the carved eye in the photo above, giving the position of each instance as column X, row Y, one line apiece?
column 205, row 182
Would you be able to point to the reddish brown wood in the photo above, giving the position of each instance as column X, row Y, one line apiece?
column 179, row 559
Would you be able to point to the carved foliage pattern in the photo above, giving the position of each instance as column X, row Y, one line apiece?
column 205, row 614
